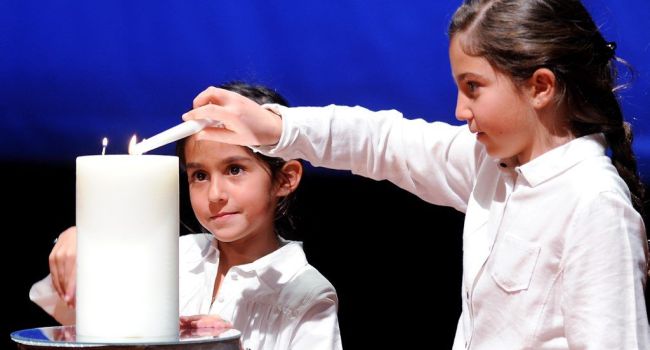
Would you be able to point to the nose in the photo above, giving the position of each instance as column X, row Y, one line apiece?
column 463, row 112
column 217, row 192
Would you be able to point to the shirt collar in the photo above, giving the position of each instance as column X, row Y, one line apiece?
column 279, row 266
column 273, row 269
column 557, row 160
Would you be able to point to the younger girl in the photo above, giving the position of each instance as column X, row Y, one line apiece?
column 555, row 249
column 242, row 271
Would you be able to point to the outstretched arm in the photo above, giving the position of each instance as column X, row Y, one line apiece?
column 436, row 161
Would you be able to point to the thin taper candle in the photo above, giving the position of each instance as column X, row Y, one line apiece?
column 175, row 133
column 104, row 144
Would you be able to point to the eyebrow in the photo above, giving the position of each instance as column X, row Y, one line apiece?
column 228, row 160
column 465, row 75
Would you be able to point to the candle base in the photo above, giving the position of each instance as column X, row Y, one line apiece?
column 127, row 340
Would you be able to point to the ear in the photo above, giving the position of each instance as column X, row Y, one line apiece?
column 289, row 179
column 542, row 88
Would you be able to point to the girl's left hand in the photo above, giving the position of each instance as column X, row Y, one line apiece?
column 213, row 322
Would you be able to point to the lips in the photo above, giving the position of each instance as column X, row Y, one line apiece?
column 222, row 215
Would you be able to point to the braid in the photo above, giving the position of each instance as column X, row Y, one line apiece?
column 620, row 142
column 597, row 109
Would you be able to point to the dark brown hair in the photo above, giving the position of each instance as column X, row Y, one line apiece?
column 518, row 37
column 260, row 94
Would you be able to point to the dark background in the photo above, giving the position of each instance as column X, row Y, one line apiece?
column 72, row 72
column 373, row 251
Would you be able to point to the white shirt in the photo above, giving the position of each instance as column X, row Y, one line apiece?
column 277, row 302
column 554, row 254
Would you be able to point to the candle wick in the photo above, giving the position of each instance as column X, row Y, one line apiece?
column 104, row 144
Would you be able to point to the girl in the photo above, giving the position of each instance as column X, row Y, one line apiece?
column 555, row 249
column 242, row 271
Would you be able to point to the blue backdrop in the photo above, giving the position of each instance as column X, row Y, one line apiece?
column 75, row 71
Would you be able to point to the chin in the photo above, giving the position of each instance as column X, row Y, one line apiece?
column 226, row 238
column 497, row 153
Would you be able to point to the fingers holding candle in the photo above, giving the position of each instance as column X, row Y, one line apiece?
column 62, row 262
column 244, row 121
column 211, row 95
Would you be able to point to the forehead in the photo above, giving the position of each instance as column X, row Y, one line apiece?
column 464, row 63
column 202, row 149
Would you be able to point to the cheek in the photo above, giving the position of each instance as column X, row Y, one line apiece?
column 502, row 118
column 198, row 200
column 258, row 203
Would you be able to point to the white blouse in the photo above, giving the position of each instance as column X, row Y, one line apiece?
column 277, row 302
column 554, row 254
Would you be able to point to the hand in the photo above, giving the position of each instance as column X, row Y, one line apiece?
column 212, row 322
column 65, row 333
column 191, row 333
column 244, row 121
column 63, row 267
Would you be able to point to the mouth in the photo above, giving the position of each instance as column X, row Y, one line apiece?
column 480, row 136
column 222, row 215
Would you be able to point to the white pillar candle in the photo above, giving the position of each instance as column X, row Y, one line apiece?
column 127, row 248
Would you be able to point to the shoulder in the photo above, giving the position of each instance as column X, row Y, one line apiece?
column 597, row 178
column 303, row 284
column 194, row 245
column 308, row 292
column 603, row 201
column 194, row 240
column 309, row 281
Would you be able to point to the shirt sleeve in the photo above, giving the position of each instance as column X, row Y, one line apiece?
column 435, row 161
column 604, row 273
column 44, row 295
column 318, row 328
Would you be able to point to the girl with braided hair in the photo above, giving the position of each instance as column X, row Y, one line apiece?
column 555, row 252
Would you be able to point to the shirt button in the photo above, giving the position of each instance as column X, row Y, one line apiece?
column 233, row 277
column 220, row 300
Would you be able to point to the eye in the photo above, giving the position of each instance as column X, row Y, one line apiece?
column 198, row 176
column 235, row 170
column 471, row 86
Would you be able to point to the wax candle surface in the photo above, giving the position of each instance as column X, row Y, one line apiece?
column 127, row 248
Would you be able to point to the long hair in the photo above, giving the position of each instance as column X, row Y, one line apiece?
column 517, row 37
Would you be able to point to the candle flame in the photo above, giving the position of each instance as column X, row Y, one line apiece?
column 134, row 140
column 104, row 144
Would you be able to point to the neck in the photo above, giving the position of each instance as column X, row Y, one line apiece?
column 247, row 250
column 552, row 131
column 543, row 144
